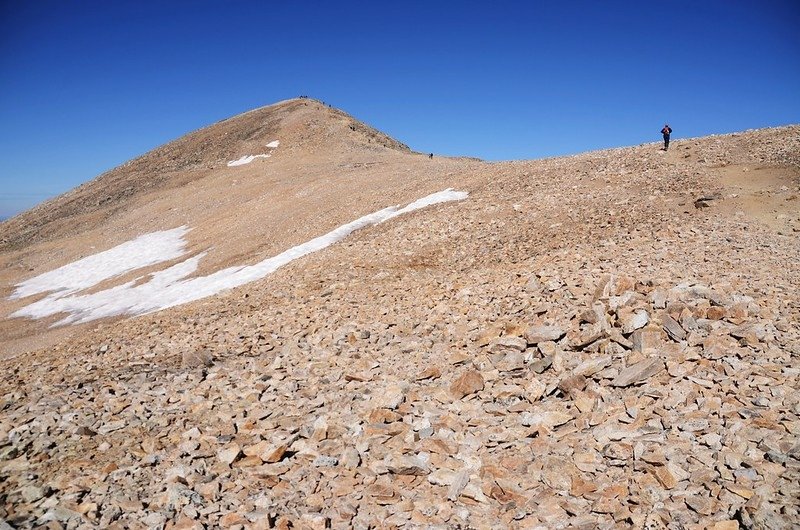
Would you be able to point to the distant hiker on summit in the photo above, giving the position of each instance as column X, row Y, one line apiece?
column 666, row 131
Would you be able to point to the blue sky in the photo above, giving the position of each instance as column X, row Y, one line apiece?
column 87, row 85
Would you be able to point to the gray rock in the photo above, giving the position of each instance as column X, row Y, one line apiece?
column 673, row 329
column 197, row 358
column 325, row 461
column 508, row 345
column 639, row 372
column 33, row 493
column 631, row 321
column 537, row 334
column 409, row 465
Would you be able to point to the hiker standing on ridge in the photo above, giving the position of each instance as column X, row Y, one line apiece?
column 666, row 131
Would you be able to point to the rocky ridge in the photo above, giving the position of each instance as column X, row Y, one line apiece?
column 577, row 345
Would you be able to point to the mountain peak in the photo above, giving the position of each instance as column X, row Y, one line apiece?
column 306, row 129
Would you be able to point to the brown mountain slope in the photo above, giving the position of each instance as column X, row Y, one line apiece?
column 306, row 125
column 596, row 341
column 328, row 170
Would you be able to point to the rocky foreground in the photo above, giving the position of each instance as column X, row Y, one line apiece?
column 600, row 341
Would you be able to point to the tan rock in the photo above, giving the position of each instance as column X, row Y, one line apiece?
column 665, row 477
column 536, row 334
column 229, row 453
column 639, row 372
column 231, row 519
column 429, row 373
column 581, row 487
column 197, row 358
column 467, row 383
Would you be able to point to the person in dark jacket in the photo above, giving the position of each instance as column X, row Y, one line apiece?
column 666, row 131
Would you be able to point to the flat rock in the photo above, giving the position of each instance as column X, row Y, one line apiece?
column 673, row 328
column 409, row 465
column 536, row 334
column 467, row 383
column 639, row 372
column 197, row 358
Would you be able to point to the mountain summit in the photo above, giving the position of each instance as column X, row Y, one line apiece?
column 290, row 320
column 306, row 126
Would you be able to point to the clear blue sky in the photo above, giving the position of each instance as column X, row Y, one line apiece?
column 87, row 85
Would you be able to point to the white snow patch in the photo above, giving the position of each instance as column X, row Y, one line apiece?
column 143, row 251
column 434, row 198
column 171, row 286
column 245, row 160
column 273, row 144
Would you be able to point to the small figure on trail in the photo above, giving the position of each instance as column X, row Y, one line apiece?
column 666, row 131
column 430, row 156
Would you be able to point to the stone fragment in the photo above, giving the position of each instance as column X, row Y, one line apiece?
column 572, row 383
column 442, row 477
column 639, row 372
column 197, row 358
column 458, row 484
column 32, row 493
column 673, row 329
column 275, row 452
column 325, row 461
column 665, row 477
column 511, row 361
column 701, row 504
column 537, row 334
column 581, row 487
column 534, row 390
column 350, row 458
column 186, row 523
column 111, row 426
column 585, row 337
column 232, row 519
column 467, row 383
column 409, row 464
column 593, row 365
column 716, row 313
column 390, row 397
column 429, row 373
column 646, row 340
column 630, row 321
column 314, row 521
column 229, row 453
column 540, row 365
column 547, row 419
column 508, row 344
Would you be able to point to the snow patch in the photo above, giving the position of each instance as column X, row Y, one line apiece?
column 171, row 286
column 143, row 251
column 245, row 160
column 249, row 158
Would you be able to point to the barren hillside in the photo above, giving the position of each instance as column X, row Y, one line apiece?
column 597, row 341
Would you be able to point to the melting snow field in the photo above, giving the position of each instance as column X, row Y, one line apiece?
column 171, row 286
column 249, row 158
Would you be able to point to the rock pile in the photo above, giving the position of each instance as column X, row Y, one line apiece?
column 575, row 346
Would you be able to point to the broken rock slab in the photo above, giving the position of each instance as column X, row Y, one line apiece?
column 468, row 383
column 639, row 372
